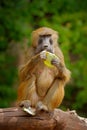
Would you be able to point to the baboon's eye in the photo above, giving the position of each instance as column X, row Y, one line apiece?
column 40, row 41
column 51, row 42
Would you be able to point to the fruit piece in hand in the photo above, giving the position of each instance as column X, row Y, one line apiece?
column 49, row 59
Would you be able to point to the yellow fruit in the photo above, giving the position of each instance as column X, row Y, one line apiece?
column 49, row 58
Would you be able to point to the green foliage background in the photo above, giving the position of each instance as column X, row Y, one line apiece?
column 69, row 18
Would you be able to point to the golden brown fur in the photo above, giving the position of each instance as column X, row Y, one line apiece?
column 39, row 82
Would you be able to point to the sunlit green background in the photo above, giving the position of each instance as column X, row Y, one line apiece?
column 19, row 18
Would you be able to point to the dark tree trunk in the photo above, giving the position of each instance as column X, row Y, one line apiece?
column 16, row 119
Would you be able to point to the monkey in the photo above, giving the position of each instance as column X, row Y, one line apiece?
column 42, row 87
